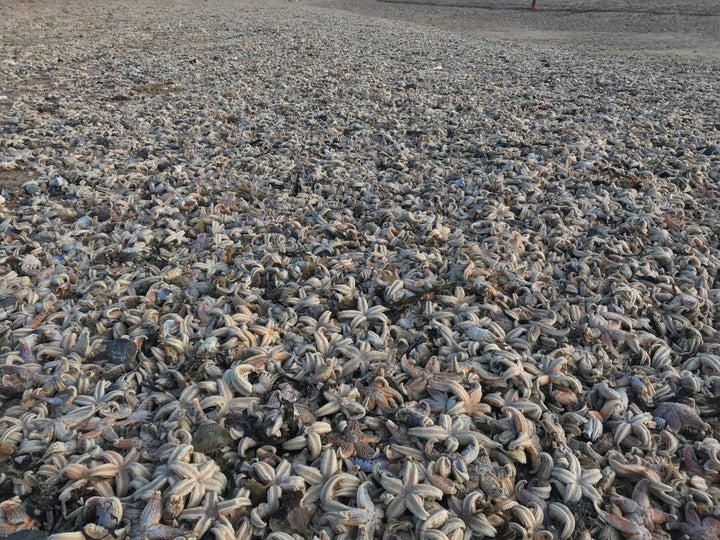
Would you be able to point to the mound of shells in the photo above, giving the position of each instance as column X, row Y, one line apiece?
column 280, row 272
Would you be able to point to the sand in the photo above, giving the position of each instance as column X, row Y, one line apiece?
column 660, row 27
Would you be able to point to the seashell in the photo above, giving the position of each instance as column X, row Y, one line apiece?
column 30, row 264
column 210, row 437
column 108, row 511
column 8, row 303
column 58, row 182
column 121, row 351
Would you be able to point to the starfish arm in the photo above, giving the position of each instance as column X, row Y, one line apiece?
column 564, row 476
column 312, row 494
column 655, row 516
column 480, row 525
column 334, row 507
column 561, row 513
column 570, row 489
column 365, row 451
column 591, row 493
column 346, row 449
column 233, row 504
column 151, row 513
column 183, row 470
column 427, row 491
column 392, row 485
column 363, row 497
column 412, row 474
column 642, row 433
column 591, row 476
column 328, row 463
column 396, row 507
column 192, row 514
column 349, row 314
column 573, row 493
column 414, row 503
column 429, row 432
column 638, row 532
column 162, row 532
column 310, row 474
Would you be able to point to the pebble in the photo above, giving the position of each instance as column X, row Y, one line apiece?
column 85, row 222
column 32, row 188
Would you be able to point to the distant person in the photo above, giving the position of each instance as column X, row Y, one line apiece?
column 533, row 6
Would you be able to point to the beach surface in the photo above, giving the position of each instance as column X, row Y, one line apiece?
column 665, row 27
column 358, row 269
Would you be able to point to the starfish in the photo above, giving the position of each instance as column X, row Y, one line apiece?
column 196, row 480
column 447, row 430
column 317, row 476
column 148, row 526
column 491, row 478
column 355, row 443
column 430, row 379
column 634, row 530
column 707, row 527
column 574, row 481
column 471, row 509
column 366, row 517
column 693, row 466
column 364, row 314
column 634, row 422
column 207, row 514
column 409, row 493
column 680, row 417
column 640, row 518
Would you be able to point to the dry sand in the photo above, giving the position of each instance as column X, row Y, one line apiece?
column 658, row 27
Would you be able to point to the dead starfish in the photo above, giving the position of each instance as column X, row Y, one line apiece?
column 680, row 417
column 355, row 443
column 707, row 528
column 148, row 527
column 640, row 518
column 694, row 467
column 494, row 480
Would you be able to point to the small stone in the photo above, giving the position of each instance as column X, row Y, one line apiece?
column 712, row 150
column 32, row 188
column 84, row 222
column 102, row 215
column 58, row 181
column 698, row 482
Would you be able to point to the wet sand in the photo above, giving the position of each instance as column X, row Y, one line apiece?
column 664, row 27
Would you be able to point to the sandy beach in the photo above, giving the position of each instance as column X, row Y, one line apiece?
column 664, row 28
